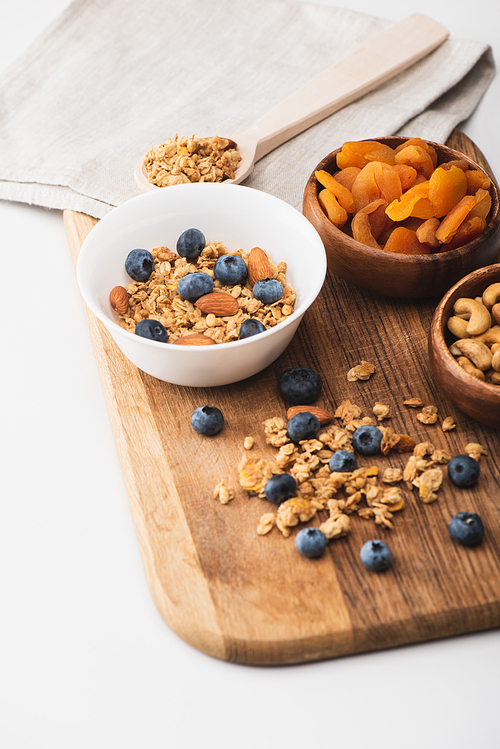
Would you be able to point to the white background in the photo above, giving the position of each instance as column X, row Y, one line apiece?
column 85, row 659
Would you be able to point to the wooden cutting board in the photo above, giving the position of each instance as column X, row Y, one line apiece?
column 254, row 599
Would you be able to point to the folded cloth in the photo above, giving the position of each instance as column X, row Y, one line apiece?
column 109, row 79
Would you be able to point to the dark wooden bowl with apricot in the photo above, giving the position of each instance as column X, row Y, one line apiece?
column 403, row 217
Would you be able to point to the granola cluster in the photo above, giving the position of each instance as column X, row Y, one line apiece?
column 158, row 298
column 190, row 159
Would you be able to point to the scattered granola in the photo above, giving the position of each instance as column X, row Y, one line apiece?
column 475, row 450
column 248, row 443
column 413, row 403
column 223, row 493
column 190, row 159
column 381, row 411
column 448, row 424
column 362, row 371
column 428, row 415
column 158, row 299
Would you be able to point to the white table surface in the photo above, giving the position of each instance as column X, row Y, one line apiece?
column 85, row 659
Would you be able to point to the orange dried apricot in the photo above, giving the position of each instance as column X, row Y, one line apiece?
column 446, row 188
column 422, row 144
column 405, row 206
column 458, row 214
column 426, row 232
column 347, row 176
column 359, row 153
column 483, row 204
column 376, row 180
column 407, row 175
column 343, row 195
column 362, row 230
column 476, row 180
column 468, row 230
column 331, row 206
column 418, row 158
column 404, row 241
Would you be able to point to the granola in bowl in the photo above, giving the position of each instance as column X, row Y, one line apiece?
column 158, row 298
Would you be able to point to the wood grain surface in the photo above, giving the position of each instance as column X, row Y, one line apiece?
column 250, row 599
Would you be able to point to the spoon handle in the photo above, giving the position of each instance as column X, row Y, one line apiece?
column 371, row 64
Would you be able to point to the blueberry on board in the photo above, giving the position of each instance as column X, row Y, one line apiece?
column 375, row 555
column 250, row 327
column 267, row 290
column 207, row 420
column 463, row 470
column 230, row 270
column 194, row 285
column 152, row 329
column 367, row 439
column 311, row 542
column 139, row 264
column 303, row 426
column 299, row 385
column 466, row 528
column 280, row 487
column 191, row 243
column 343, row 462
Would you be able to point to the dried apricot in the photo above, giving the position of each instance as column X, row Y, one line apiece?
column 376, row 180
column 343, row 195
column 407, row 175
column 331, row 206
column 418, row 158
column 362, row 230
column 360, row 153
column 446, row 188
column 468, row 230
column 476, row 180
column 347, row 176
column 405, row 206
column 404, row 241
column 426, row 232
column 458, row 213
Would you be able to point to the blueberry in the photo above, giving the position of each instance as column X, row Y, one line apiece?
column 207, row 420
column 268, row 290
column 311, row 542
column 152, row 329
column 139, row 264
column 466, row 528
column 250, row 327
column 303, row 426
column 375, row 555
column 367, row 439
column 463, row 470
column 230, row 269
column 280, row 487
column 343, row 462
column 194, row 285
column 191, row 243
column 299, row 385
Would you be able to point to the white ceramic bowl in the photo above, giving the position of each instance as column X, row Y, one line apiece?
column 241, row 218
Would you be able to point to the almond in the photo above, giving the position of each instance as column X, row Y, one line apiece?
column 218, row 303
column 194, row 339
column 259, row 266
column 323, row 415
column 118, row 298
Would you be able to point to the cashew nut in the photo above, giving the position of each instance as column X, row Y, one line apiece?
column 490, row 336
column 479, row 317
column 469, row 367
column 454, row 350
column 477, row 352
column 495, row 361
column 495, row 312
column 458, row 326
column 491, row 295
column 493, row 377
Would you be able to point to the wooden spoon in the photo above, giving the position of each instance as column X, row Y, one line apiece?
column 372, row 63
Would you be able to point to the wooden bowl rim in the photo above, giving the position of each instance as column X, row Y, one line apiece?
column 311, row 194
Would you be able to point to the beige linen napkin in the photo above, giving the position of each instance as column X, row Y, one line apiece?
column 111, row 78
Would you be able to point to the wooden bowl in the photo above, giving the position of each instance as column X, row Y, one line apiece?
column 477, row 399
column 398, row 275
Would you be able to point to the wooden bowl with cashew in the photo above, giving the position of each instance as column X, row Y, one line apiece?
column 464, row 345
column 394, row 274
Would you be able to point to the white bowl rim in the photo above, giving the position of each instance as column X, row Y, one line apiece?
column 111, row 325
